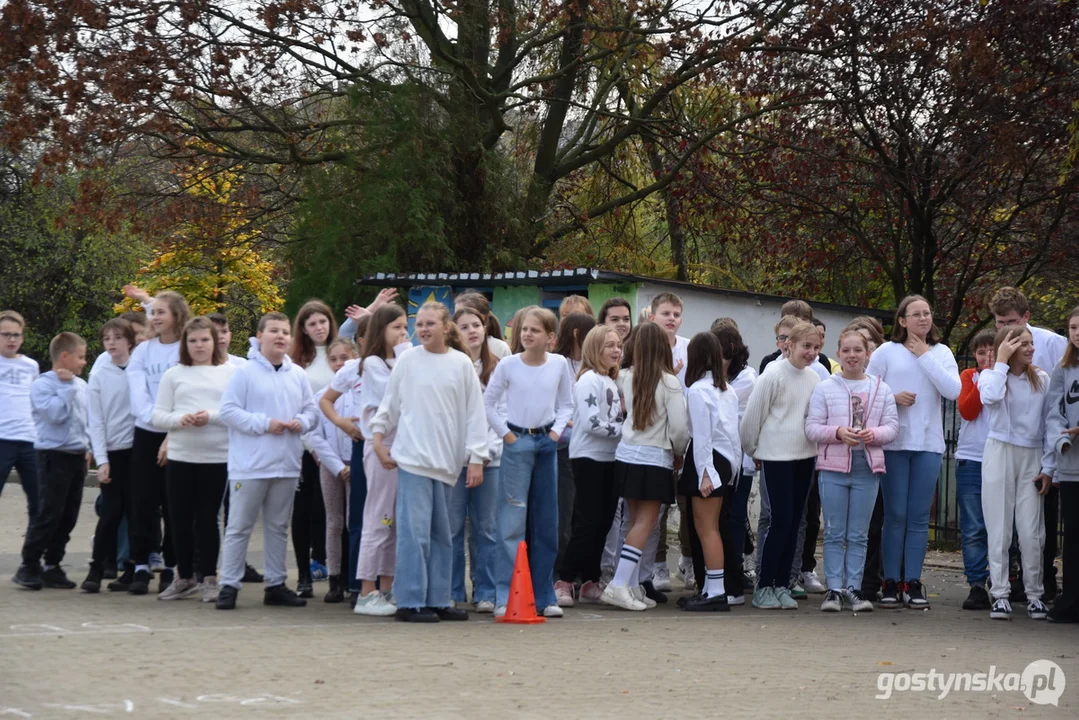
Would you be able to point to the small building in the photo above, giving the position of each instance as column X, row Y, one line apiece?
column 755, row 313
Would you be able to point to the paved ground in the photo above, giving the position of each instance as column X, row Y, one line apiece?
column 65, row 654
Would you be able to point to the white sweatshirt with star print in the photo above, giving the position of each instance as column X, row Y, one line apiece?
column 597, row 418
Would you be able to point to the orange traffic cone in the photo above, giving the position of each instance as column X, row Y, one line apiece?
column 521, row 608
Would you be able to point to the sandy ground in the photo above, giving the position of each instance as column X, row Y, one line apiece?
column 66, row 654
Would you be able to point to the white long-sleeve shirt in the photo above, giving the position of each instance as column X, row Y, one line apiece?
column 773, row 425
column 16, row 416
column 376, row 377
column 713, row 425
column 318, row 372
column 257, row 393
column 1016, row 412
column 930, row 377
column 597, row 418
column 743, row 387
column 149, row 363
column 112, row 426
column 435, row 403
column 1048, row 348
column 332, row 447
column 535, row 396
column 188, row 389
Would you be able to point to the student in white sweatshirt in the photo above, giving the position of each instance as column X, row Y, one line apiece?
column 773, row 431
column 17, row 434
column 312, row 333
column 149, row 502
column 920, row 370
column 597, row 423
column 1061, row 432
column 386, row 334
column 188, row 408
column 1018, row 467
column 267, row 406
column 112, row 430
column 332, row 449
column 529, row 401
column 434, row 403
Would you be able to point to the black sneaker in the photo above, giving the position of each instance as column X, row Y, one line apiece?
column 889, row 594
column 56, row 579
column 164, row 580
column 653, row 594
column 28, row 576
column 140, row 584
column 251, row 575
column 703, row 603
column 123, row 583
column 335, row 594
column 110, row 572
column 1063, row 615
column 226, row 597
column 914, row 595
column 353, row 598
column 92, row 583
column 978, row 599
column 416, row 615
column 450, row 613
column 304, row 587
column 281, row 596
column 1002, row 610
column 858, row 602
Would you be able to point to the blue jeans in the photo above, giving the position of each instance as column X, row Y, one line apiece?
column 968, row 496
column 908, row 488
column 357, row 498
column 479, row 504
column 20, row 455
column 529, row 492
column 424, row 543
column 847, row 500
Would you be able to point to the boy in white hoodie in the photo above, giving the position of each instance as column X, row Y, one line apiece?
column 267, row 406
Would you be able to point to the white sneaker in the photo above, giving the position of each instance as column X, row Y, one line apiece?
column 374, row 604
column 179, row 589
column 661, row 577
column 563, row 593
column 685, row 570
column 553, row 611
column 621, row 597
column 157, row 562
column 210, row 590
column 500, row 611
column 812, row 583
column 736, row 599
column 639, row 596
column 485, row 606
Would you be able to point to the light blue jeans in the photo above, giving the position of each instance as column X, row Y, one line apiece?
column 847, row 500
column 480, row 505
column 529, row 492
column 968, row 497
column 908, row 489
column 424, row 544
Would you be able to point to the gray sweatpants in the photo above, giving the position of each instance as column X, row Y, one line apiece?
column 274, row 497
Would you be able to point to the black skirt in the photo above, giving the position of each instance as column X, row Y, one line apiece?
column 645, row 482
column 689, row 483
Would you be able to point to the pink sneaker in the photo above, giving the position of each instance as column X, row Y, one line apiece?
column 590, row 593
column 563, row 592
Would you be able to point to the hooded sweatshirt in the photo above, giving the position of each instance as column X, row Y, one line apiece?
column 257, row 393
column 1063, row 414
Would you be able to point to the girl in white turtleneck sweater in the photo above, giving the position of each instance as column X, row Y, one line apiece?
column 312, row 333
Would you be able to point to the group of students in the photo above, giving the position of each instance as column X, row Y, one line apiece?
column 576, row 437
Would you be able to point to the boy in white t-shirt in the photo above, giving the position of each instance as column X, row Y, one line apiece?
column 17, row 434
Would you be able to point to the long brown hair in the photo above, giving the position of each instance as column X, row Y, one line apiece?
column 899, row 333
column 177, row 305
column 592, row 352
column 705, row 354
column 651, row 360
column 487, row 358
column 374, row 343
column 571, row 333
column 303, row 350
column 479, row 303
column 515, row 336
column 1031, row 371
column 733, row 349
column 201, row 323
column 1071, row 355
column 453, row 335
column 628, row 343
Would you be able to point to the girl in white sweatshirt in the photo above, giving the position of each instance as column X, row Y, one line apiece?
column 773, row 431
column 597, row 422
column 333, row 450
column 1017, row 467
column 188, row 408
column 149, row 502
column 312, row 333
column 388, row 331
column 654, row 438
column 920, row 370
column 529, row 401
column 434, row 402
column 112, row 430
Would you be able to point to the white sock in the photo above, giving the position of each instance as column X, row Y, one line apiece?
column 713, row 582
column 628, row 562
column 142, row 568
column 48, row 567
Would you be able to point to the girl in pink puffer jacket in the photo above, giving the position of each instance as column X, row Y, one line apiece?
column 851, row 417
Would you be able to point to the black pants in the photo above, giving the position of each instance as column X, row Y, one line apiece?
column 60, row 478
column 115, row 500
column 595, row 499
column 149, row 501
column 872, row 579
column 787, row 486
column 566, row 507
column 1068, row 599
column 809, row 547
column 194, row 491
column 20, row 455
column 309, row 518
